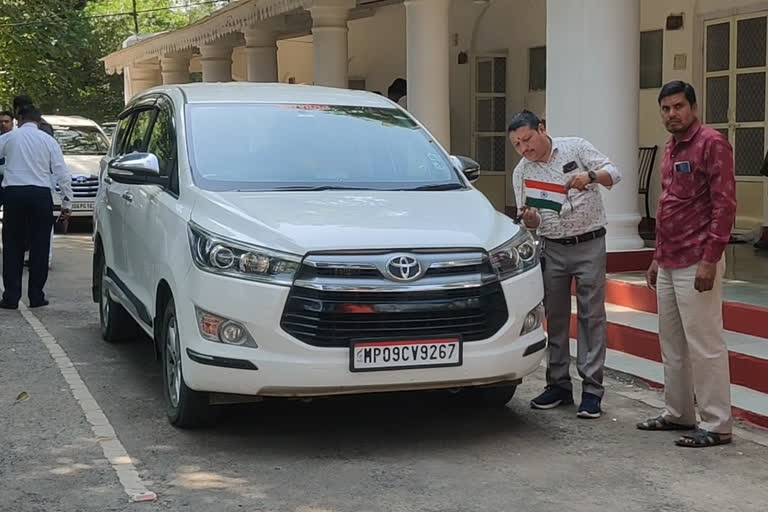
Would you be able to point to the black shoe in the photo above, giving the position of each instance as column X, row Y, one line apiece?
column 552, row 397
column 761, row 244
column 8, row 305
column 34, row 305
column 590, row 406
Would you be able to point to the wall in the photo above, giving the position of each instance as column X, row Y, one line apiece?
column 505, row 27
column 377, row 48
column 294, row 60
column 689, row 41
column 653, row 15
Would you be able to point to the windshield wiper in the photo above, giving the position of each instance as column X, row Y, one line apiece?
column 438, row 186
column 318, row 187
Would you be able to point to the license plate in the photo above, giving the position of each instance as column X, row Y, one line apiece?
column 82, row 205
column 389, row 354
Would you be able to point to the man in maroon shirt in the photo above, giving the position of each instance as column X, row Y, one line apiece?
column 693, row 225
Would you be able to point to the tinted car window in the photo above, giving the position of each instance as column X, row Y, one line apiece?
column 121, row 134
column 162, row 141
column 138, row 138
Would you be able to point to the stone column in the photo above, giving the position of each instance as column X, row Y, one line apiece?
column 216, row 60
column 140, row 76
column 329, row 33
column 174, row 67
column 261, row 52
column 428, row 71
column 593, row 58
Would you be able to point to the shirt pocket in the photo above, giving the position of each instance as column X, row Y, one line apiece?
column 686, row 185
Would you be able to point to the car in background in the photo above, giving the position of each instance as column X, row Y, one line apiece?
column 83, row 143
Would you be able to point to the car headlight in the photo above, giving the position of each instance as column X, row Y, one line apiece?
column 517, row 255
column 220, row 255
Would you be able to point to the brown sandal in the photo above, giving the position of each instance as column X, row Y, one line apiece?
column 701, row 439
column 662, row 423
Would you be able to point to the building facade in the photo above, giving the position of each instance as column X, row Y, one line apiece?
column 591, row 68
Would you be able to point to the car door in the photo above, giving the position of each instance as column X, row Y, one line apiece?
column 108, row 204
column 148, row 232
column 120, row 196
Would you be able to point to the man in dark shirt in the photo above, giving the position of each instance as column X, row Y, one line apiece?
column 696, row 211
column 6, row 125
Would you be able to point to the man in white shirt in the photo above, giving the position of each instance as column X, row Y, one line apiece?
column 31, row 156
column 562, row 175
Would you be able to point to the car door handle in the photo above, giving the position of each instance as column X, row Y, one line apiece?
column 127, row 196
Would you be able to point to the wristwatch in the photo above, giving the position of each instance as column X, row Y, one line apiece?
column 592, row 176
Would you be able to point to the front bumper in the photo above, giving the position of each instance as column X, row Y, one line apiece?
column 75, row 213
column 284, row 366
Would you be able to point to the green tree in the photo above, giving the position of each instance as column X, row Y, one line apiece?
column 50, row 49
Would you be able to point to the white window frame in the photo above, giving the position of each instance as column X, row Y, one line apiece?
column 475, row 95
column 732, row 73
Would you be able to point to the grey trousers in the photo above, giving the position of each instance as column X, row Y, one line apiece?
column 584, row 262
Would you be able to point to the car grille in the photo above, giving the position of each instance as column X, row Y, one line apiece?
column 86, row 188
column 83, row 187
column 331, row 306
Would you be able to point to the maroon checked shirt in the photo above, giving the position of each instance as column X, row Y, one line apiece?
column 697, row 206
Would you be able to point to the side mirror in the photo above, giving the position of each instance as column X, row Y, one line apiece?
column 136, row 169
column 468, row 167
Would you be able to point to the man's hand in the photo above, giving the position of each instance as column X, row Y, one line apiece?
column 651, row 275
column 531, row 217
column 65, row 215
column 578, row 181
column 705, row 276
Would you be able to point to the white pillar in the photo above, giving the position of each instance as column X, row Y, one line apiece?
column 329, row 35
column 174, row 67
column 593, row 63
column 216, row 60
column 261, row 52
column 428, row 60
column 140, row 76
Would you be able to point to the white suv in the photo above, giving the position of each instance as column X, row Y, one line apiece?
column 83, row 144
column 295, row 241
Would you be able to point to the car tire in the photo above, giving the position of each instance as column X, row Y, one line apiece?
column 490, row 397
column 185, row 407
column 115, row 322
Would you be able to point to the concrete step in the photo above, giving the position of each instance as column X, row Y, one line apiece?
column 633, row 345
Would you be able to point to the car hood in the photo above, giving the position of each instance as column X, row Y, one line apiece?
column 301, row 222
column 83, row 165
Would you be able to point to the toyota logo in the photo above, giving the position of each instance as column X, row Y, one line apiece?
column 80, row 179
column 403, row 268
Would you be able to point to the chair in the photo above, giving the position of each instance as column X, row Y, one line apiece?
column 647, row 159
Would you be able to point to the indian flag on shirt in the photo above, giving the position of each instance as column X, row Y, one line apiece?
column 544, row 196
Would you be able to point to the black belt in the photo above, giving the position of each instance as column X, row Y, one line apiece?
column 571, row 240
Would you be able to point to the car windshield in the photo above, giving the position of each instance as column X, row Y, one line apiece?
column 313, row 147
column 81, row 140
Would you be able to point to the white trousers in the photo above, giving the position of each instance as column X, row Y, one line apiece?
column 693, row 350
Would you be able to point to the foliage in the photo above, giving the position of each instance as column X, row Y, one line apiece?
column 50, row 49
